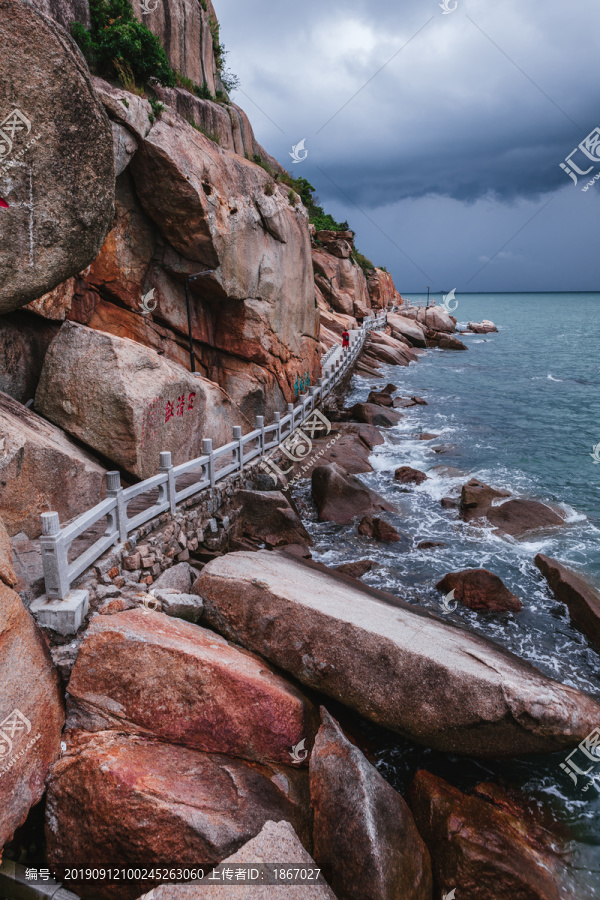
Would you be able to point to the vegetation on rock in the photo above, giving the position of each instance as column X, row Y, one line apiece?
column 117, row 45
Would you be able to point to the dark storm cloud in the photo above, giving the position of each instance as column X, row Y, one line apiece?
column 400, row 104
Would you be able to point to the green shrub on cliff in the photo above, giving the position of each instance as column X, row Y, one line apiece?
column 117, row 42
column 316, row 214
column 362, row 261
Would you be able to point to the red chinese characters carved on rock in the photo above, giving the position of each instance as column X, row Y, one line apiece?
column 171, row 411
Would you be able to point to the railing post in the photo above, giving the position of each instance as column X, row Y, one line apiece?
column 54, row 558
column 207, row 450
column 114, row 489
column 277, row 423
column 237, row 436
column 290, row 412
column 260, row 423
column 166, row 467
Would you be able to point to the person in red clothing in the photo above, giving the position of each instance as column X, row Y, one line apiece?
column 345, row 340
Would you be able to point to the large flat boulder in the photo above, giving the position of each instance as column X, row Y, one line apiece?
column 133, row 403
column 519, row 516
column 485, row 839
column 365, row 838
column 144, row 673
column 49, row 112
column 41, row 470
column 141, row 804
column 340, row 497
column 476, row 498
column 31, row 713
column 277, row 842
column 572, row 589
column 419, row 676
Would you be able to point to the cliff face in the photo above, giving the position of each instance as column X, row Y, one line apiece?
column 189, row 196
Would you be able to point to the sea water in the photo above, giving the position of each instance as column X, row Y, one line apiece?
column 519, row 410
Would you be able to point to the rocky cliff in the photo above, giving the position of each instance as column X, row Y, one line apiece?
column 161, row 185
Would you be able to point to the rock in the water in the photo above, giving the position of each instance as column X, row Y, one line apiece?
column 430, row 545
column 340, row 497
column 133, row 403
column 350, row 450
column 478, row 845
column 41, row 470
column 373, row 414
column 407, row 328
column 405, row 669
column 581, row 597
column 58, row 215
column 356, row 569
column 380, row 530
column 202, row 807
column 268, row 517
column 434, row 318
column 427, row 436
column 449, row 342
column 408, row 475
column 480, row 589
column 31, row 713
column 483, row 327
column 365, row 838
column 477, row 497
column 517, row 517
column 276, row 842
column 380, row 398
column 144, row 673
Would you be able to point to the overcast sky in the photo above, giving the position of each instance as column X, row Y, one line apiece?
column 438, row 136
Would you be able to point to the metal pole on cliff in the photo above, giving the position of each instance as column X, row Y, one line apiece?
column 189, row 278
column 427, row 296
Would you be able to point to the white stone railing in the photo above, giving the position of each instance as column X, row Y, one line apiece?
column 214, row 465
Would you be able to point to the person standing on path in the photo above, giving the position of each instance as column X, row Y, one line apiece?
column 345, row 340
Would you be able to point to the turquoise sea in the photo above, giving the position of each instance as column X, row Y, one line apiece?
column 519, row 410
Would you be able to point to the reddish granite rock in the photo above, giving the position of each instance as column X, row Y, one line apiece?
column 133, row 803
column 267, row 516
column 476, row 498
column 408, row 475
column 119, row 682
column 483, row 327
column 31, row 713
column 453, row 691
column 382, row 290
column 41, row 470
column 572, row 589
column 449, row 342
column 365, row 838
column 434, row 318
column 478, row 845
column 373, row 414
column 7, row 571
column 480, row 589
column 341, row 446
column 369, row 434
column 380, row 398
column 427, row 436
column 356, row 569
column 380, row 530
column 340, row 497
column 407, row 328
column 430, row 545
column 517, row 517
